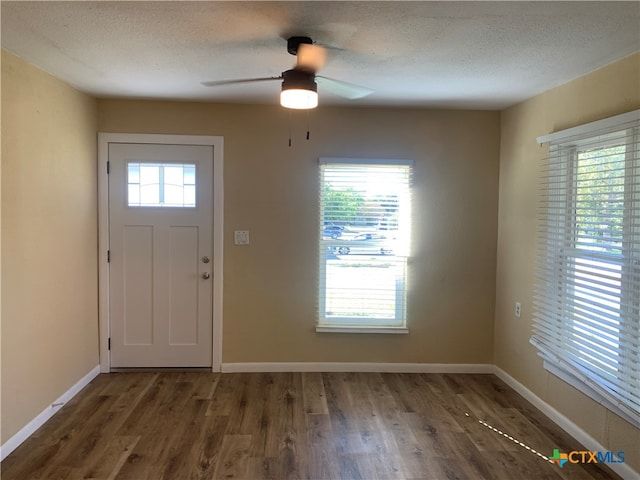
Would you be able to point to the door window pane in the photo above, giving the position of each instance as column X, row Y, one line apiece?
column 161, row 185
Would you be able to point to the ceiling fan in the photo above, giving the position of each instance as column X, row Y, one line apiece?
column 300, row 84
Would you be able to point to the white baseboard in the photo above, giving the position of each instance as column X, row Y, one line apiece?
column 357, row 367
column 26, row 431
column 622, row 469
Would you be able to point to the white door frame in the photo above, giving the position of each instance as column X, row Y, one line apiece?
column 104, row 139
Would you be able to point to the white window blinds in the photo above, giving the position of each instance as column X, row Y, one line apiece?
column 365, row 213
column 587, row 297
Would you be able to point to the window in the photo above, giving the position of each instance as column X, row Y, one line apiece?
column 161, row 185
column 587, row 303
column 364, row 231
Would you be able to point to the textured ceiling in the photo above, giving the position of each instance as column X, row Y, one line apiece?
column 438, row 54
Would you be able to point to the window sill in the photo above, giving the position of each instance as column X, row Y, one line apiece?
column 351, row 329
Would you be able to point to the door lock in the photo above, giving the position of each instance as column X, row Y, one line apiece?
column 205, row 259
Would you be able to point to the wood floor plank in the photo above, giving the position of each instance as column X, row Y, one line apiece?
column 242, row 406
column 349, row 469
column 291, row 458
column 264, row 431
column 318, row 428
column 234, row 456
column 204, row 456
column 338, row 402
column 263, row 468
column 291, row 427
column 176, row 448
column 303, row 426
column 314, row 397
column 322, row 462
column 107, row 466
column 129, row 389
column 362, row 408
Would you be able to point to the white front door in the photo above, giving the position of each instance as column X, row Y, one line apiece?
column 161, row 258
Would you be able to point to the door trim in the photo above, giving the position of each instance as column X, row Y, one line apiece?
column 217, row 142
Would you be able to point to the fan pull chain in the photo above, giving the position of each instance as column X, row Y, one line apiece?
column 308, row 126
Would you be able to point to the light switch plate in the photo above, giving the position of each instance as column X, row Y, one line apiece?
column 241, row 237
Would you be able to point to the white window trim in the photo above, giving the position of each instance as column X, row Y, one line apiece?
column 347, row 329
column 365, row 161
column 616, row 122
column 371, row 328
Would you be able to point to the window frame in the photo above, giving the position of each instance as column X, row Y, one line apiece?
column 365, row 325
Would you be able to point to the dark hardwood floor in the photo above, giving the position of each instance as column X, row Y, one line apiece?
column 198, row 425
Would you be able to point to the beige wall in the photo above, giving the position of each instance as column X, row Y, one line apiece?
column 49, row 240
column 271, row 190
column 609, row 91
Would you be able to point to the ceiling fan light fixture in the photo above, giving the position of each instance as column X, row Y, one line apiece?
column 299, row 90
column 298, row 98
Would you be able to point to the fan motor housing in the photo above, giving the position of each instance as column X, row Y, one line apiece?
column 298, row 79
column 294, row 42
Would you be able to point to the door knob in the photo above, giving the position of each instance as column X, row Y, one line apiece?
column 206, row 275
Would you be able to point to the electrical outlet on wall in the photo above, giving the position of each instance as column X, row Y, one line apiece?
column 518, row 310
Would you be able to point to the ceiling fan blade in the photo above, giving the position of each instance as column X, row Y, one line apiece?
column 215, row 83
column 311, row 58
column 343, row 89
